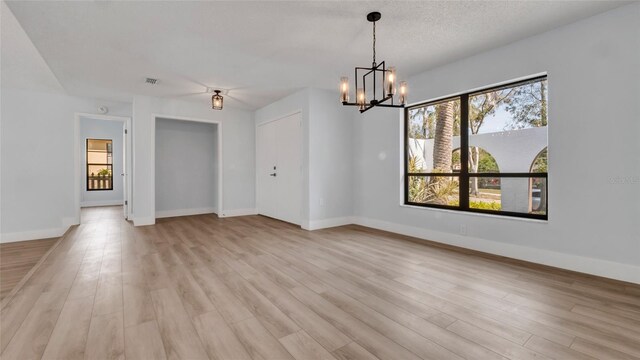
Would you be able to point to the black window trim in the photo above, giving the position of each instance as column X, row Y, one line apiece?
column 87, row 164
column 464, row 174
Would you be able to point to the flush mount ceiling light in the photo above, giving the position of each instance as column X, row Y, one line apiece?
column 379, row 77
column 216, row 99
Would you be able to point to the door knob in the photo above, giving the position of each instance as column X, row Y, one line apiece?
column 274, row 174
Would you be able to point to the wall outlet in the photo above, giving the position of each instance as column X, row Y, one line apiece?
column 463, row 229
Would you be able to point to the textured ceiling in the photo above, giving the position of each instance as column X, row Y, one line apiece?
column 262, row 51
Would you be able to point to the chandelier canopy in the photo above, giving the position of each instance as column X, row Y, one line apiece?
column 382, row 80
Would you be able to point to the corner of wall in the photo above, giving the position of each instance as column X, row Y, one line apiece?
column 237, row 212
column 143, row 221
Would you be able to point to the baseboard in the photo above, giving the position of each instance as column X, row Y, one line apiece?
column 95, row 203
column 598, row 267
column 143, row 221
column 237, row 212
column 327, row 223
column 33, row 235
column 184, row 212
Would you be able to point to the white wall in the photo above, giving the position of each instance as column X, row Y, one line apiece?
column 238, row 153
column 593, row 68
column 37, row 137
column 186, row 168
column 330, row 160
column 102, row 129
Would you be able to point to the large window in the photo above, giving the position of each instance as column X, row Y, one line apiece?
column 99, row 164
column 483, row 151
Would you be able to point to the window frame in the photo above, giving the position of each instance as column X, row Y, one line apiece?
column 88, row 164
column 464, row 175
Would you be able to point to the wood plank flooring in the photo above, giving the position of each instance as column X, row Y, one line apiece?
column 200, row 287
column 16, row 259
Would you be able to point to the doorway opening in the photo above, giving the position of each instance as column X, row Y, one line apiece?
column 103, row 164
column 187, row 167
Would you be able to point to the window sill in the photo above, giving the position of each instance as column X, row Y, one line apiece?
column 468, row 213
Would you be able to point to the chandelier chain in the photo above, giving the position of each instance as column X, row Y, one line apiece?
column 374, row 43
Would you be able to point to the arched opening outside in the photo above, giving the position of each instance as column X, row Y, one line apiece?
column 484, row 192
column 538, row 185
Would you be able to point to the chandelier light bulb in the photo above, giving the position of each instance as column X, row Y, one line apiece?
column 361, row 98
column 391, row 81
column 344, row 89
column 403, row 93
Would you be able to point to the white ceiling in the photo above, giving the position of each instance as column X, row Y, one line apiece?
column 262, row 51
column 22, row 65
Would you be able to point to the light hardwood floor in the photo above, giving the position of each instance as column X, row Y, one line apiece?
column 16, row 259
column 254, row 288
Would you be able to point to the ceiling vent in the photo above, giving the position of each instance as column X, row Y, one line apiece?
column 151, row 81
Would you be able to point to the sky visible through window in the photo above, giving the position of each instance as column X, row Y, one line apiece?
column 520, row 100
column 498, row 121
column 514, row 109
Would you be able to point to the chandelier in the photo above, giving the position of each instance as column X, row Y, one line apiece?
column 379, row 77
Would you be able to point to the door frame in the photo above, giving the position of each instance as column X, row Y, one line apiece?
column 128, row 151
column 220, row 210
column 302, row 161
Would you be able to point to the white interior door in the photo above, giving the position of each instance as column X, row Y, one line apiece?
column 279, row 178
column 288, row 181
column 125, row 190
column 266, row 174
